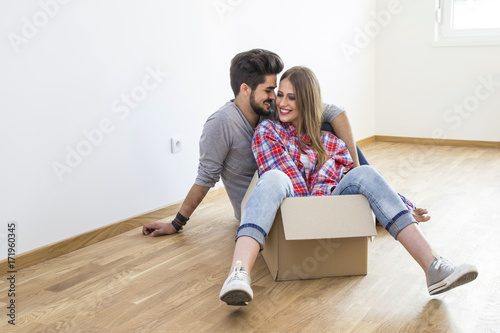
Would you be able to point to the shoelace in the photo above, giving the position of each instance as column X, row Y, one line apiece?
column 238, row 271
column 443, row 262
column 438, row 263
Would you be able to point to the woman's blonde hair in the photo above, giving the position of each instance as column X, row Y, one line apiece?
column 310, row 106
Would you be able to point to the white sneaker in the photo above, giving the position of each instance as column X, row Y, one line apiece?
column 444, row 275
column 236, row 290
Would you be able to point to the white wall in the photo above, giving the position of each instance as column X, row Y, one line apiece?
column 67, row 77
column 433, row 92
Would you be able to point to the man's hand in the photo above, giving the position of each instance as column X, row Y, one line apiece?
column 158, row 229
column 193, row 199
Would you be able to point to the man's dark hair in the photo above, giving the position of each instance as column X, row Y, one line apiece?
column 251, row 67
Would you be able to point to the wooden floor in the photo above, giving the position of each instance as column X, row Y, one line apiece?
column 134, row 283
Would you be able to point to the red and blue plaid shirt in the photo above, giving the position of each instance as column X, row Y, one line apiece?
column 275, row 145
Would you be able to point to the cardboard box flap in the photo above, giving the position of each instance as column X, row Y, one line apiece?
column 339, row 216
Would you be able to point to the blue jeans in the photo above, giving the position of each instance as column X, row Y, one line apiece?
column 274, row 186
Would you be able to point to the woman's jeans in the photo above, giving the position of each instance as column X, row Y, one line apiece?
column 274, row 186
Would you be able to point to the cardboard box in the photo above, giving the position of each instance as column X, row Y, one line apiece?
column 315, row 237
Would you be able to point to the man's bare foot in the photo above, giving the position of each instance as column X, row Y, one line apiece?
column 419, row 214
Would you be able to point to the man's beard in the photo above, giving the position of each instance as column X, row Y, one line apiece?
column 258, row 109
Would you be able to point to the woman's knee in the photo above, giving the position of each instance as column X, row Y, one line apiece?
column 276, row 180
column 365, row 176
column 365, row 172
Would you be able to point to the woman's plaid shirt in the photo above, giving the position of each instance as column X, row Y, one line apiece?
column 275, row 146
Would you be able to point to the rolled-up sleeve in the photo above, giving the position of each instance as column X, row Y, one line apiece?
column 329, row 174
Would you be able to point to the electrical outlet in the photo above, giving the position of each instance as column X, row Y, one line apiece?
column 176, row 144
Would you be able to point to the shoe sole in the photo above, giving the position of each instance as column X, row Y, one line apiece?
column 236, row 298
column 461, row 276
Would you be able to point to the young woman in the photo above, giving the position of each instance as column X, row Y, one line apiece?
column 295, row 158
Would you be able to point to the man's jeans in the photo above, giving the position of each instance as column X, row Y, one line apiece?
column 274, row 186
